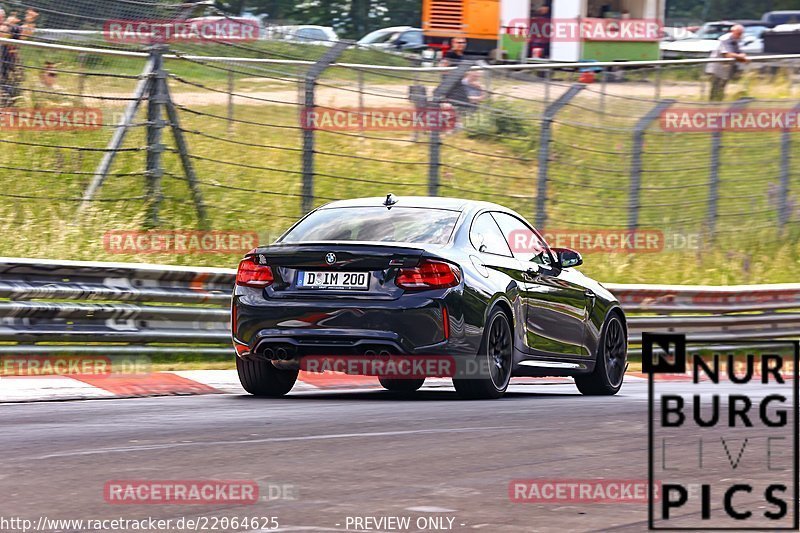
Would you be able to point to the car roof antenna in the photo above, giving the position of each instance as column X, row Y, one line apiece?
column 391, row 199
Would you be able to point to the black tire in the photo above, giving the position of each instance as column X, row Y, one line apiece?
column 611, row 360
column 401, row 385
column 261, row 378
column 495, row 358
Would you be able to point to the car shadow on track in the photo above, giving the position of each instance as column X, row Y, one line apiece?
column 419, row 396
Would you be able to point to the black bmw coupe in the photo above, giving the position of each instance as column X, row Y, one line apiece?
column 410, row 277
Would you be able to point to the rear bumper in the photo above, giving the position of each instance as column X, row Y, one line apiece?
column 349, row 327
column 336, row 342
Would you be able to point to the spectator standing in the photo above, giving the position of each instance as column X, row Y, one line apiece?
column 458, row 45
column 9, row 57
column 540, row 32
column 10, row 68
column 722, row 72
column 29, row 26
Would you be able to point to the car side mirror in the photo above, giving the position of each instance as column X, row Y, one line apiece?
column 568, row 258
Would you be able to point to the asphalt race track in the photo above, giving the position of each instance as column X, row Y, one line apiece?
column 344, row 453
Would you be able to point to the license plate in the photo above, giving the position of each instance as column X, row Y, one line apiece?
column 333, row 280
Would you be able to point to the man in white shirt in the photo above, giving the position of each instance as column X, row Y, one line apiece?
column 722, row 72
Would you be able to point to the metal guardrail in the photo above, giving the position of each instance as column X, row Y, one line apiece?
column 142, row 306
column 724, row 313
column 77, row 306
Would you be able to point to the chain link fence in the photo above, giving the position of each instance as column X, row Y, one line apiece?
column 213, row 134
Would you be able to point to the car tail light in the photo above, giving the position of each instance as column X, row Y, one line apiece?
column 251, row 274
column 429, row 274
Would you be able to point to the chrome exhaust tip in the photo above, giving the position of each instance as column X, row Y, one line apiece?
column 281, row 353
column 268, row 353
column 369, row 352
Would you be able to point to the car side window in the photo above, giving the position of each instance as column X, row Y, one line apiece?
column 412, row 37
column 526, row 245
column 486, row 236
column 312, row 34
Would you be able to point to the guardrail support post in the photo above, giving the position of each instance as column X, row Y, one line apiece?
column 634, row 197
column 155, row 124
column 449, row 81
column 786, row 173
column 544, row 150
column 713, row 177
column 309, row 104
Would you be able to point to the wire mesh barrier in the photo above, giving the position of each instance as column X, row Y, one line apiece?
column 246, row 135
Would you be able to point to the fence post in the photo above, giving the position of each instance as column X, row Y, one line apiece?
column 636, row 160
column 544, row 150
column 658, row 82
column 713, row 177
column 82, row 59
column 155, row 124
column 487, row 83
column 603, row 88
column 360, row 100
column 786, row 173
column 101, row 173
column 449, row 81
column 230, row 100
column 547, row 75
column 309, row 88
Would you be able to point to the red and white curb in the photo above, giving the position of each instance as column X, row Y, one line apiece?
column 189, row 382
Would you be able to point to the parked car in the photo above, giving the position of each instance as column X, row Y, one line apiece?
column 247, row 23
column 305, row 33
column 782, row 39
column 406, row 38
column 676, row 33
column 707, row 39
column 773, row 18
column 426, row 277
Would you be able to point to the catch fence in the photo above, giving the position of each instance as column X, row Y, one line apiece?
column 215, row 138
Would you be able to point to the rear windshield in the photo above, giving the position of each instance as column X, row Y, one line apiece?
column 376, row 224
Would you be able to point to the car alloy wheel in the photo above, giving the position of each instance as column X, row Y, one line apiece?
column 499, row 352
column 614, row 349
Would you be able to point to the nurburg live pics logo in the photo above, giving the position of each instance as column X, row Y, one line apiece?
column 722, row 433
